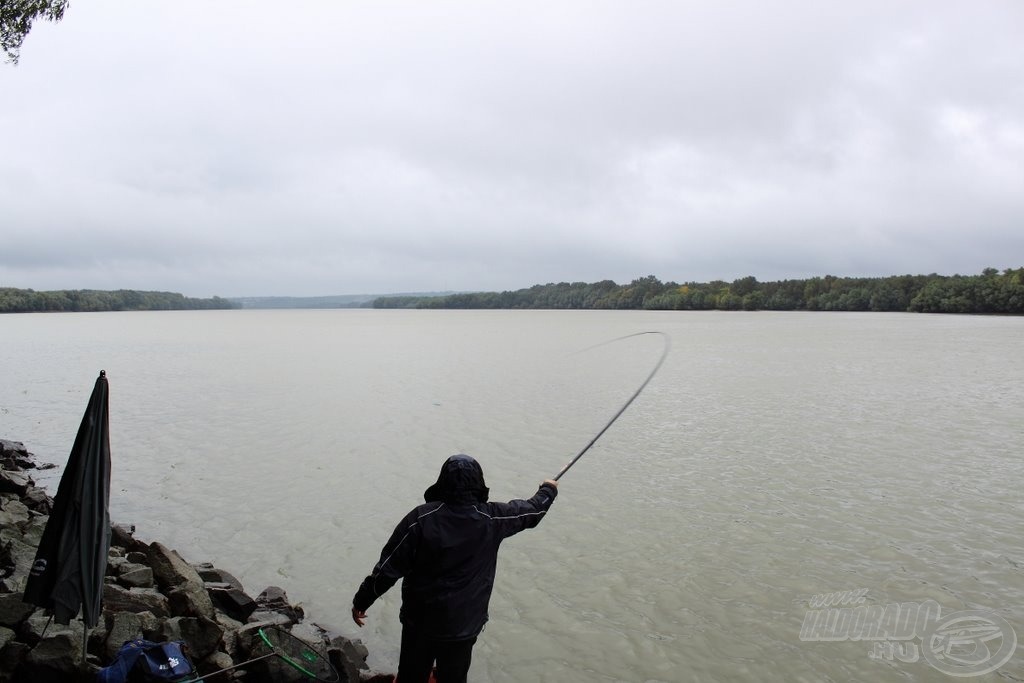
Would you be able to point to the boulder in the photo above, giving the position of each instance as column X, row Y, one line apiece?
column 137, row 557
column 150, row 592
column 32, row 532
column 211, row 574
column 203, row 636
column 213, row 663
column 190, row 599
column 55, row 659
column 14, row 456
column 274, row 599
column 12, row 610
column 232, row 601
column 124, row 626
column 16, row 558
column 261, row 618
column 11, row 656
column 169, row 568
column 6, row 636
column 351, row 650
column 150, row 625
column 136, row 576
column 376, row 677
column 248, row 637
column 120, row 599
column 121, row 536
column 37, row 500
column 39, row 623
column 12, row 481
column 312, row 634
column 230, row 640
column 13, row 513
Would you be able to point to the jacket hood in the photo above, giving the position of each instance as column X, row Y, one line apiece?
column 461, row 482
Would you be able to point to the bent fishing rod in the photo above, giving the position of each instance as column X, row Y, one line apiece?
column 657, row 366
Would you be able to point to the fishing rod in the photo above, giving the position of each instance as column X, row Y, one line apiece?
column 657, row 366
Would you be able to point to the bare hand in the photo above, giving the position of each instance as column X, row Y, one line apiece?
column 359, row 617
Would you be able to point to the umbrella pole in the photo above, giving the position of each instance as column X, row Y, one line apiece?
column 45, row 628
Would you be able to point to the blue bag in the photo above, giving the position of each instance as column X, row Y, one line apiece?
column 143, row 661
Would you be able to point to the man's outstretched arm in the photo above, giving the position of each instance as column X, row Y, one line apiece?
column 396, row 559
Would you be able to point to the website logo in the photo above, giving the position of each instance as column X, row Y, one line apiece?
column 964, row 643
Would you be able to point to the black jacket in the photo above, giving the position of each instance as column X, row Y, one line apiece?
column 447, row 553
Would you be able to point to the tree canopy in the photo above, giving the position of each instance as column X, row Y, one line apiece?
column 989, row 292
column 91, row 300
column 16, row 17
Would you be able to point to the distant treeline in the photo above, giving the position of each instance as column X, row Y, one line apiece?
column 990, row 292
column 90, row 300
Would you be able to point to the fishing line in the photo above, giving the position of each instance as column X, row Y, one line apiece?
column 657, row 366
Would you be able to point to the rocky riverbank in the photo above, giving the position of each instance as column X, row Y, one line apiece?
column 151, row 592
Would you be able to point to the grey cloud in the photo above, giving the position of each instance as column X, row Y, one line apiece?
column 397, row 145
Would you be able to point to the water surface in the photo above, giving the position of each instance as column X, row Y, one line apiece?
column 774, row 457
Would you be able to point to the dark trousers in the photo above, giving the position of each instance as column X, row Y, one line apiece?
column 419, row 652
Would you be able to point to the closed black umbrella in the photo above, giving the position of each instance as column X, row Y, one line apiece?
column 67, row 575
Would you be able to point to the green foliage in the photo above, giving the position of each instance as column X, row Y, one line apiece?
column 16, row 17
column 91, row 300
column 990, row 292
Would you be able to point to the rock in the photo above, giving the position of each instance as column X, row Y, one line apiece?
column 11, row 657
column 348, row 658
column 97, row 639
column 38, row 624
column 12, row 481
column 169, row 568
column 8, row 447
column 213, row 663
column 203, row 636
column 233, row 602
column 136, row 576
column 248, row 635
column 14, row 456
column 37, row 500
column 150, row 591
column 352, row 650
column 115, row 560
column 190, row 599
column 376, row 677
column 121, row 535
column 13, row 513
column 150, row 625
column 311, row 634
column 32, row 532
column 16, row 558
column 119, row 599
column 124, row 626
column 56, row 659
column 211, row 574
column 12, row 610
column 262, row 617
column 230, row 639
column 274, row 599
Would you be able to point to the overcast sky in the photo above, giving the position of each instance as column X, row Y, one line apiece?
column 245, row 148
